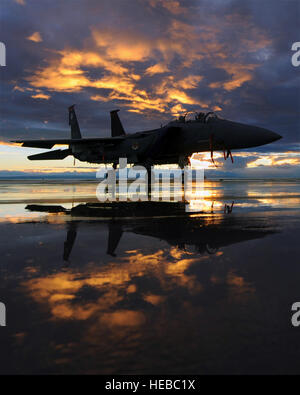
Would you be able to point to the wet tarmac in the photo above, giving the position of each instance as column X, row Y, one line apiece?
column 204, row 286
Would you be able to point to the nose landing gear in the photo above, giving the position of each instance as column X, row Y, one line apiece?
column 183, row 161
column 226, row 151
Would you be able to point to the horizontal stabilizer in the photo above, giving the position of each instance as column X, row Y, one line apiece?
column 43, row 208
column 50, row 143
column 56, row 154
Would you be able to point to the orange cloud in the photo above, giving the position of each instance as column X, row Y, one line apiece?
column 203, row 160
column 189, row 82
column 173, row 6
column 124, row 318
column 157, row 69
column 41, row 96
column 58, row 291
column 177, row 110
column 278, row 160
column 100, row 98
column 8, row 143
column 67, row 71
column 35, row 37
column 115, row 64
column 239, row 74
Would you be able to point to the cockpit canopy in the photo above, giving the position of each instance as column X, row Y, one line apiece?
column 198, row 117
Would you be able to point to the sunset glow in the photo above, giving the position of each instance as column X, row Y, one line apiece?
column 197, row 59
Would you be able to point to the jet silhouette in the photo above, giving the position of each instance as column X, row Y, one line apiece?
column 173, row 143
column 172, row 224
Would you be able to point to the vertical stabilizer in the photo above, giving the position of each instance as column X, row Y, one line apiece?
column 116, row 125
column 75, row 129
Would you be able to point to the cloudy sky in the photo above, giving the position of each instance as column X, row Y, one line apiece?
column 154, row 60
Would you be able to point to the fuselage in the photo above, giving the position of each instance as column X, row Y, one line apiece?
column 170, row 144
column 185, row 138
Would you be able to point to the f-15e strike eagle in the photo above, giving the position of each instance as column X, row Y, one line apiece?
column 173, row 143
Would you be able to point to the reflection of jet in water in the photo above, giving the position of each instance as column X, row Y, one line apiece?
column 206, row 233
column 173, row 143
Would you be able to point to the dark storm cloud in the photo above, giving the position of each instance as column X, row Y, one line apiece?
column 176, row 55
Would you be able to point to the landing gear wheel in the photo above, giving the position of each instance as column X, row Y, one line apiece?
column 183, row 161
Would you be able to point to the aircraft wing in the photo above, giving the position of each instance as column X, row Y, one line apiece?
column 50, row 143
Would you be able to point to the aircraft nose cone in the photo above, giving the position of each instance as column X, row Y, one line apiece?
column 269, row 136
column 276, row 136
column 237, row 135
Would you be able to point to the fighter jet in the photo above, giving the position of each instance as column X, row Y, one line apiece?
column 173, row 224
column 172, row 143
